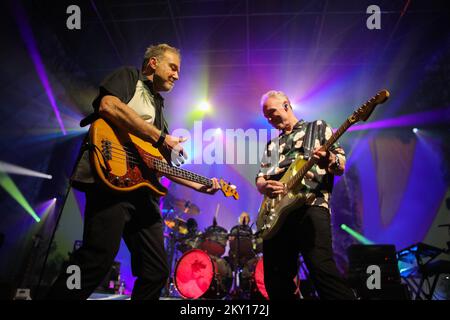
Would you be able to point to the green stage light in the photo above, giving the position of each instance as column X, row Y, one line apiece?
column 10, row 187
column 356, row 235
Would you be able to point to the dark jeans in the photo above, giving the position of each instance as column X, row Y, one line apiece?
column 108, row 218
column 306, row 231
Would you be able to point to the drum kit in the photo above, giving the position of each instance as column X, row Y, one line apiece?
column 200, row 268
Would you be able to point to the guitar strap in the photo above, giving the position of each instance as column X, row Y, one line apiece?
column 308, row 144
column 310, row 137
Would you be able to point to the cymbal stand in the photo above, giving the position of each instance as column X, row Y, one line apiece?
column 236, row 291
column 170, row 250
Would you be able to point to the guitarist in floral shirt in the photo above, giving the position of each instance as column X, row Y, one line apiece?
column 307, row 230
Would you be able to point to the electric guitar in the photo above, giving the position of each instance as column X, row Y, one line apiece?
column 273, row 211
column 125, row 162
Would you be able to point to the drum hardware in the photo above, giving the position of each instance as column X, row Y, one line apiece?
column 175, row 228
column 185, row 206
column 201, row 275
column 214, row 239
column 170, row 241
column 190, row 241
column 241, row 252
column 236, row 292
column 198, row 268
column 175, row 222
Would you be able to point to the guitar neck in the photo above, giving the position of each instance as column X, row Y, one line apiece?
column 163, row 167
column 312, row 161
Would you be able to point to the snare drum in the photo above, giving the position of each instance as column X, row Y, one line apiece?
column 215, row 240
column 200, row 275
column 188, row 242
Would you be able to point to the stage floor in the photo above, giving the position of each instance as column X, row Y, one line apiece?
column 110, row 296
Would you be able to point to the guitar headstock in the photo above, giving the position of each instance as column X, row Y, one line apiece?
column 228, row 190
column 363, row 112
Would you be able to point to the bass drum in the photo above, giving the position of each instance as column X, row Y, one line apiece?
column 252, row 279
column 200, row 275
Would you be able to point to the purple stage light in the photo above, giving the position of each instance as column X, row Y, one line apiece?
column 46, row 208
column 27, row 36
column 423, row 118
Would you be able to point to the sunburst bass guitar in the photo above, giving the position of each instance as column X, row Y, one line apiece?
column 125, row 163
column 273, row 211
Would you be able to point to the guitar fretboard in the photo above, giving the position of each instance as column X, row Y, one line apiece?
column 301, row 173
column 163, row 167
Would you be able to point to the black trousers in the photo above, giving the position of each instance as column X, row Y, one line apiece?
column 109, row 217
column 306, row 231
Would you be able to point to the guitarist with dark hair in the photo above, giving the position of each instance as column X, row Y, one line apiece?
column 129, row 100
column 306, row 230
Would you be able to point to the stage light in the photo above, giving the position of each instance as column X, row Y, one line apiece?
column 46, row 208
column 204, row 106
column 415, row 130
column 431, row 117
column 13, row 169
column 9, row 186
column 26, row 33
column 218, row 131
column 356, row 235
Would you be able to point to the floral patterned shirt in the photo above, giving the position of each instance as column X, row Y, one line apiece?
column 283, row 150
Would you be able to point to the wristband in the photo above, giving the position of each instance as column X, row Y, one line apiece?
column 161, row 139
column 337, row 162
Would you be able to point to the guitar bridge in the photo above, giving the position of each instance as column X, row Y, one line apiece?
column 106, row 149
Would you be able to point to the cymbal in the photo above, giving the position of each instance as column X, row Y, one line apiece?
column 177, row 224
column 185, row 206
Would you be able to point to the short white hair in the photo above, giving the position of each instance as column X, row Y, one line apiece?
column 273, row 93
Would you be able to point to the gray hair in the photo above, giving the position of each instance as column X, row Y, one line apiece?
column 158, row 51
column 273, row 93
